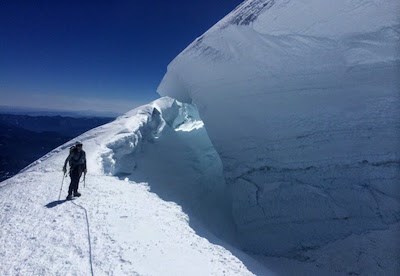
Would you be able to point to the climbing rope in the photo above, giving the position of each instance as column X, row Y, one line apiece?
column 87, row 226
column 89, row 238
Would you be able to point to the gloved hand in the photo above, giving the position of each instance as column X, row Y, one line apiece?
column 85, row 171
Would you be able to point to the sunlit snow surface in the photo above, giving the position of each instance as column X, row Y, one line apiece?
column 301, row 101
column 136, row 225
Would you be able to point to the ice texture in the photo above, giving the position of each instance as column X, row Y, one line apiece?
column 301, row 101
column 170, row 149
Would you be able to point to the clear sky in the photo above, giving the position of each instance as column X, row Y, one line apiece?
column 97, row 55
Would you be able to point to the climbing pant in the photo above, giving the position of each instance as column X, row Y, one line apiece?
column 75, row 175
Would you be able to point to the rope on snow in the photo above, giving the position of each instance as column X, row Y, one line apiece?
column 89, row 238
column 87, row 226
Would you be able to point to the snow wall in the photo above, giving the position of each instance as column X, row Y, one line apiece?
column 166, row 145
column 301, row 101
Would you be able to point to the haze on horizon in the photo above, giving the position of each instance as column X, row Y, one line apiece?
column 109, row 56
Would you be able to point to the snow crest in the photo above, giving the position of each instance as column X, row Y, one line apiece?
column 171, row 151
column 301, row 101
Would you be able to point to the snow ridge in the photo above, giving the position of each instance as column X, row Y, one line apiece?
column 248, row 11
column 301, row 101
column 136, row 226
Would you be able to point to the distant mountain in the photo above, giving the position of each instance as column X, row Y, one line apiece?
column 16, row 110
column 24, row 139
column 67, row 126
column 20, row 147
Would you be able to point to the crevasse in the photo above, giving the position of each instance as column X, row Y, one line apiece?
column 170, row 150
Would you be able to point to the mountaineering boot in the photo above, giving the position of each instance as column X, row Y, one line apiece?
column 69, row 197
column 77, row 194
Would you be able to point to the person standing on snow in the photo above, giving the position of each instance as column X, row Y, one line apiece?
column 77, row 165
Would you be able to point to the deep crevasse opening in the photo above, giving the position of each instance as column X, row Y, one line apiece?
column 171, row 152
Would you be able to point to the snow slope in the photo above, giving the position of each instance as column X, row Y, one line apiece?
column 154, row 204
column 132, row 229
column 301, row 101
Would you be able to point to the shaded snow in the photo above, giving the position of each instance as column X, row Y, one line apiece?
column 301, row 101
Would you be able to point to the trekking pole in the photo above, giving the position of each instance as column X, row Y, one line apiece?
column 62, row 184
column 84, row 180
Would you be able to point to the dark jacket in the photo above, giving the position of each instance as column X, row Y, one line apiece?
column 76, row 160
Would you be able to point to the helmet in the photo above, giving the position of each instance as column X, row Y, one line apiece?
column 78, row 144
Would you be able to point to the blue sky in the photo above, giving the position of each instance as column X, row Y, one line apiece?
column 98, row 55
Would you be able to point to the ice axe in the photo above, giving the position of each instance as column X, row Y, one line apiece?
column 84, row 180
column 62, row 184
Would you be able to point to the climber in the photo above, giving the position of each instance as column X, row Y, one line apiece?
column 77, row 166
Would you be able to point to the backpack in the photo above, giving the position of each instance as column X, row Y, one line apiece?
column 72, row 149
column 73, row 161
